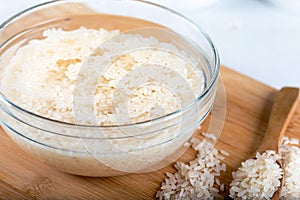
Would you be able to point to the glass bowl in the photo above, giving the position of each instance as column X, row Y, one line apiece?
column 100, row 149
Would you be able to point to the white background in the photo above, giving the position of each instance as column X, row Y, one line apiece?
column 259, row 38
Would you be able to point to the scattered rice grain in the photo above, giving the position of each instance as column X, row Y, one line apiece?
column 198, row 178
column 225, row 153
column 210, row 136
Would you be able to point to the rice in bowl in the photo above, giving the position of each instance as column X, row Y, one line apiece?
column 42, row 77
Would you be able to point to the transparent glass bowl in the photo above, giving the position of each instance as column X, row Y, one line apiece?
column 103, row 150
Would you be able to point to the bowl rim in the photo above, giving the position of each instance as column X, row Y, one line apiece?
column 206, row 90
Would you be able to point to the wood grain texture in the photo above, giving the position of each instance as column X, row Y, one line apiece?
column 283, row 110
column 248, row 108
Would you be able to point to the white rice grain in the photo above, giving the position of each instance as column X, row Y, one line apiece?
column 198, row 178
column 225, row 153
column 259, row 177
column 222, row 187
column 210, row 136
column 291, row 162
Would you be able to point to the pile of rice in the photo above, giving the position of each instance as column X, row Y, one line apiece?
column 290, row 153
column 45, row 76
column 258, row 178
column 42, row 75
column 199, row 178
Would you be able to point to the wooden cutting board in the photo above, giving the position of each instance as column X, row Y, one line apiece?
column 248, row 107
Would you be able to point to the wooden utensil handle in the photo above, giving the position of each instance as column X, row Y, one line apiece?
column 284, row 106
